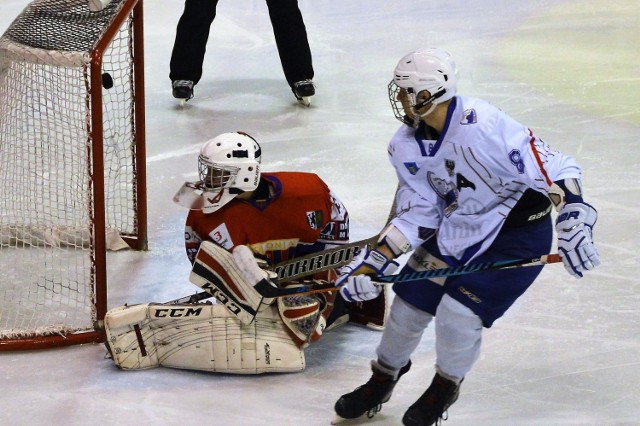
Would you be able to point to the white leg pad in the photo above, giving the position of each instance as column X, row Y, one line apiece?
column 200, row 337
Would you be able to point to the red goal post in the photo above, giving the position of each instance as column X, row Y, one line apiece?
column 72, row 165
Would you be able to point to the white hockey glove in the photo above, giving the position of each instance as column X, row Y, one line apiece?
column 355, row 287
column 575, row 241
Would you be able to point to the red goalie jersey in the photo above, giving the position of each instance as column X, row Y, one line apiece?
column 290, row 214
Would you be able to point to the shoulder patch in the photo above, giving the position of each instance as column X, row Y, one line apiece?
column 315, row 219
column 469, row 116
column 412, row 167
column 516, row 159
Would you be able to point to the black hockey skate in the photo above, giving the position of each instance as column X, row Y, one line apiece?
column 433, row 404
column 369, row 397
column 182, row 90
column 303, row 90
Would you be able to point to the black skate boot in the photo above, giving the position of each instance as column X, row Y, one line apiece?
column 433, row 404
column 303, row 90
column 369, row 397
column 182, row 90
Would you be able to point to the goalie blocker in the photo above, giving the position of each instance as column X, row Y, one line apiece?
column 231, row 278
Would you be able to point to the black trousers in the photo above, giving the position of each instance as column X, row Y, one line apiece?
column 193, row 32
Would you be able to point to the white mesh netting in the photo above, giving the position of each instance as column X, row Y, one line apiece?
column 47, row 282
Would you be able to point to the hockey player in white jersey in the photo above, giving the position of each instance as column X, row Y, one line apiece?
column 474, row 186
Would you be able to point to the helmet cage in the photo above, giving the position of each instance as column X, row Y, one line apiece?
column 398, row 107
column 216, row 176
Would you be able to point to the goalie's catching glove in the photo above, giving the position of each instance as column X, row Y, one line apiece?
column 575, row 238
column 355, row 287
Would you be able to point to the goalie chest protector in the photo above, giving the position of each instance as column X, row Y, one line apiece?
column 296, row 213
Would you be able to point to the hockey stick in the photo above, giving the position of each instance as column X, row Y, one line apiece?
column 299, row 267
column 308, row 264
column 471, row 268
column 319, row 261
column 328, row 259
column 269, row 291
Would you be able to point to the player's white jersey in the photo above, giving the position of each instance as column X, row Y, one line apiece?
column 465, row 183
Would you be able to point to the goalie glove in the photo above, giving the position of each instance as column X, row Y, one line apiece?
column 302, row 317
column 575, row 238
column 355, row 287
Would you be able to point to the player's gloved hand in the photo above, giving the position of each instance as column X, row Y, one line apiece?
column 575, row 241
column 355, row 287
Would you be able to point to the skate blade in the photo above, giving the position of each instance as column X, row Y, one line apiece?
column 305, row 101
column 337, row 420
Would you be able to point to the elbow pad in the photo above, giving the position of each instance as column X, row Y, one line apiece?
column 395, row 240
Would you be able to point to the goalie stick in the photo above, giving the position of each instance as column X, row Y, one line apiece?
column 327, row 259
column 319, row 261
column 269, row 291
column 299, row 267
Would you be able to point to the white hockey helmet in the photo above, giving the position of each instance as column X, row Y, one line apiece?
column 431, row 69
column 228, row 165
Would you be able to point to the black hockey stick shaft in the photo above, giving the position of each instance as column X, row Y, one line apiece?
column 471, row 268
column 269, row 291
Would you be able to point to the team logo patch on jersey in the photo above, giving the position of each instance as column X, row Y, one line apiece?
column 516, row 160
column 315, row 219
column 412, row 167
column 450, row 165
column 469, row 117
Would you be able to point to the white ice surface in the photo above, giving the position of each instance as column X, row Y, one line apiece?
column 568, row 352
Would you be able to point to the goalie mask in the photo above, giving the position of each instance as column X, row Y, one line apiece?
column 228, row 165
column 431, row 69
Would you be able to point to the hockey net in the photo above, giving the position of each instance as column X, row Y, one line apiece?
column 72, row 168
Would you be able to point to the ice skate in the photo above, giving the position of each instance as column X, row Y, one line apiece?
column 433, row 404
column 182, row 90
column 368, row 398
column 303, row 90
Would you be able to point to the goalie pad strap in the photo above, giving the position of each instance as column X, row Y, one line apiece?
column 143, row 349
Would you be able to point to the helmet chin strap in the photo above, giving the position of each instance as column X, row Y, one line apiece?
column 429, row 100
column 429, row 111
column 414, row 120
